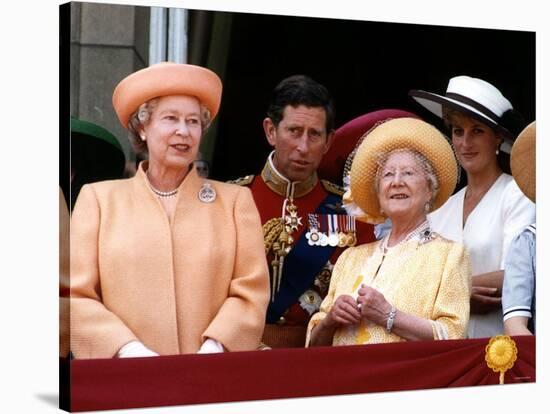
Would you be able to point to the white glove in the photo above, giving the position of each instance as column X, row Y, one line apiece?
column 135, row 349
column 210, row 346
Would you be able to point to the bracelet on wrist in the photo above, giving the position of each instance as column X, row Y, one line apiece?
column 391, row 319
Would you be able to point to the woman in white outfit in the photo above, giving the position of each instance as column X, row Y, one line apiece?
column 487, row 213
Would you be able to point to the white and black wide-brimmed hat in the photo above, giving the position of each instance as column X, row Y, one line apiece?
column 476, row 98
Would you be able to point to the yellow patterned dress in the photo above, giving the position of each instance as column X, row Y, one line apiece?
column 430, row 279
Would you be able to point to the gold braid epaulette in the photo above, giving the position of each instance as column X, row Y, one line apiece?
column 272, row 229
column 333, row 188
column 246, row 180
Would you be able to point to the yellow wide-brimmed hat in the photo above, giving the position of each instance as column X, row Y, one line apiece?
column 402, row 133
column 163, row 79
column 523, row 161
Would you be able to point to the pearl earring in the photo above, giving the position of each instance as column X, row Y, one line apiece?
column 427, row 207
column 142, row 136
column 497, row 151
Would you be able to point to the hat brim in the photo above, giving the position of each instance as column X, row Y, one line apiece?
column 402, row 133
column 434, row 103
column 89, row 129
column 95, row 152
column 165, row 79
column 523, row 161
column 95, row 157
column 332, row 166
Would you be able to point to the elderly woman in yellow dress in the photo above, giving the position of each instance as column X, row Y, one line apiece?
column 413, row 284
column 166, row 262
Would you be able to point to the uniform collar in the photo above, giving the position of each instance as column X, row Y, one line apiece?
column 284, row 187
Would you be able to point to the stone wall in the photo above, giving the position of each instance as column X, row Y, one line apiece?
column 108, row 42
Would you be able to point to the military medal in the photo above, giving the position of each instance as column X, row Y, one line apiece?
column 342, row 235
column 342, row 239
column 332, row 231
column 314, row 238
column 322, row 281
column 292, row 221
column 352, row 238
column 347, row 231
column 310, row 301
column 312, row 235
column 323, row 237
column 207, row 194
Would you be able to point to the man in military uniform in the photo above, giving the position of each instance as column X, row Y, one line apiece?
column 305, row 227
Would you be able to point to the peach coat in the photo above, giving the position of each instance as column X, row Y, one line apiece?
column 136, row 276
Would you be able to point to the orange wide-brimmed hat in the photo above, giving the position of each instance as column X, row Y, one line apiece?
column 523, row 161
column 402, row 133
column 163, row 79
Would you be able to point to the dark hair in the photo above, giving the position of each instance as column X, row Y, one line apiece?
column 512, row 121
column 300, row 90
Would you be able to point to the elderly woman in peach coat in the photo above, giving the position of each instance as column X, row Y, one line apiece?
column 166, row 262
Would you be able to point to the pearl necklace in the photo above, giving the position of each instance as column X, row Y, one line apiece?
column 161, row 194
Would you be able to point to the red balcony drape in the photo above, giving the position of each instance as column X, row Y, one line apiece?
column 286, row 373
